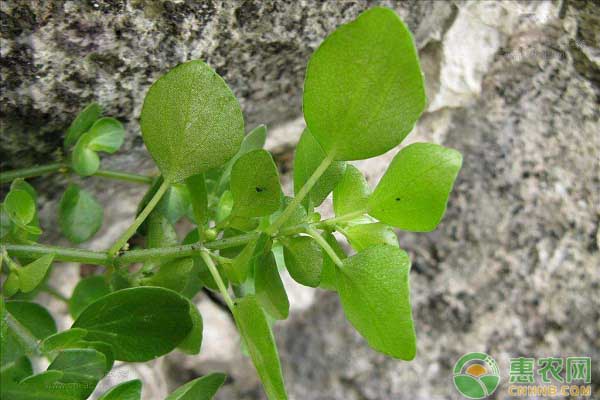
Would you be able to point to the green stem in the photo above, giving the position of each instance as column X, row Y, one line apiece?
column 140, row 219
column 124, row 176
column 126, row 257
column 9, row 176
column 23, row 334
column 55, row 293
column 323, row 243
column 301, row 195
column 40, row 170
column 217, row 277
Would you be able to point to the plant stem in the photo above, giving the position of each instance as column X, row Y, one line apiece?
column 217, row 277
column 40, row 170
column 23, row 335
column 308, row 185
column 124, row 176
column 127, row 257
column 140, row 219
column 55, row 293
column 323, row 243
column 9, row 176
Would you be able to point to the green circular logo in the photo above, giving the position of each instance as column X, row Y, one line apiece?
column 476, row 375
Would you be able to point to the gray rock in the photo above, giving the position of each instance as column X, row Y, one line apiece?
column 515, row 86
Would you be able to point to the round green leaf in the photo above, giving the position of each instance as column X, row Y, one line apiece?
column 87, row 291
column 140, row 323
column 174, row 275
column 79, row 214
column 191, row 121
column 11, row 285
column 258, row 338
column 20, row 206
column 81, row 368
column 352, row 192
column 130, row 390
column 303, row 259
column 308, row 157
column 31, row 275
column 107, row 135
column 84, row 160
column 413, row 193
column 62, row 340
column 203, row 388
column 82, row 123
column 367, row 235
column 255, row 185
column 270, row 291
column 193, row 341
column 374, row 292
column 364, row 88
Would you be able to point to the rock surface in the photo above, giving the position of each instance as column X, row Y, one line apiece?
column 515, row 86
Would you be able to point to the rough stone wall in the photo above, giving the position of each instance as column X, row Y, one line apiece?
column 513, row 269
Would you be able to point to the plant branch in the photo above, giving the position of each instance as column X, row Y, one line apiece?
column 127, row 257
column 38, row 170
column 323, row 243
column 308, row 185
column 124, row 176
column 140, row 219
column 217, row 277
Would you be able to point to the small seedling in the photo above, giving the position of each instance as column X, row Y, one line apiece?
column 363, row 94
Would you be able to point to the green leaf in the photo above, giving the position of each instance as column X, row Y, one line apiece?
column 16, row 371
column 413, row 193
column 193, row 341
column 364, row 89
column 140, row 323
column 309, row 155
column 107, row 135
column 255, row 185
column 270, row 291
column 22, row 324
column 368, row 235
column 84, row 160
column 33, row 229
column 82, row 123
column 130, row 390
column 75, row 339
column 258, row 339
column 161, row 232
column 254, row 140
column 62, row 340
column 224, row 207
column 20, row 206
column 196, row 185
column 243, row 263
column 374, row 292
column 352, row 192
column 12, row 284
column 87, row 291
column 303, row 259
column 203, row 388
column 36, row 387
column 328, row 276
column 191, row 121
column 6, row 224
column 81, row 370
column 79, row 214
column 31, row 275
column 174, row 275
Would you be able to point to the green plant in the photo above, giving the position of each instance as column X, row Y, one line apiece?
column 363, row 94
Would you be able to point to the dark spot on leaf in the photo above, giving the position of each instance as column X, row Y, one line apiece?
column 398, row 199
column 259, row 189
